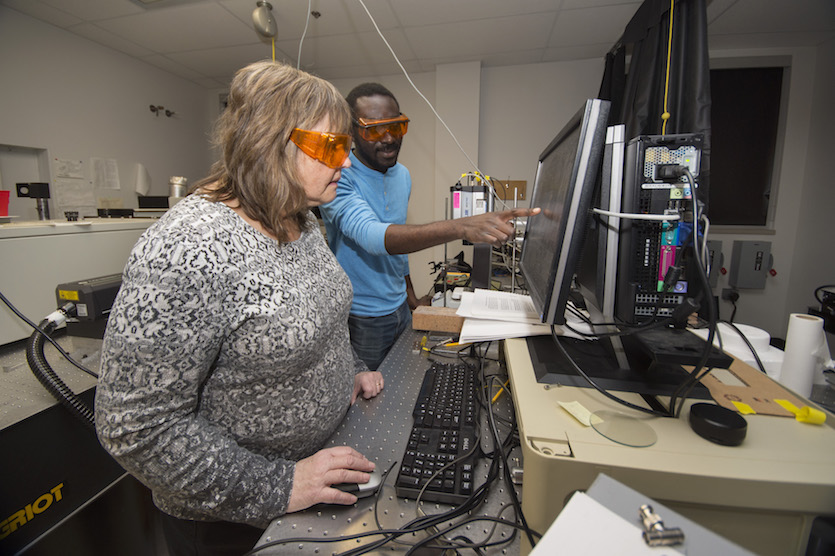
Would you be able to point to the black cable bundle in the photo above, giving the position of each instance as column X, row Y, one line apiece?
column 51, row 381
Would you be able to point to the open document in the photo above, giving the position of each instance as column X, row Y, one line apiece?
column 496, row 315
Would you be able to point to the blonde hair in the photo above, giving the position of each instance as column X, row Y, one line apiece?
column 257, row 167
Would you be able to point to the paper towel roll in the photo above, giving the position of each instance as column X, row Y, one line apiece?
column 805, row 342
column 759, row 338
column 770, row 357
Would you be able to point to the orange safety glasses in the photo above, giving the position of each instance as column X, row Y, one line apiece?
column 374, row 130
column 331, row 149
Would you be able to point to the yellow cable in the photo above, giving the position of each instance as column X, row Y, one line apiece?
column 666, row 115
column 499, row 393
column 273, row 41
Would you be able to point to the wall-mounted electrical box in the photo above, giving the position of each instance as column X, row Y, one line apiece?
column 750, row 263
column 715, row 260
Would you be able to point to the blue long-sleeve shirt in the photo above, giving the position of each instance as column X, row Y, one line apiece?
column 367, row 203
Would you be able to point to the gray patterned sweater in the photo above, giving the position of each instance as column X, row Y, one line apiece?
column 226, row 359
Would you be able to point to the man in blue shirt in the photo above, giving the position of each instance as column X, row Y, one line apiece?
column 367, row 230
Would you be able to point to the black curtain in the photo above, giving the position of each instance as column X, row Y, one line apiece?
column 637, row 92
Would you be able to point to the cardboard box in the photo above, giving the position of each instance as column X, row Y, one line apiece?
column 506, row 193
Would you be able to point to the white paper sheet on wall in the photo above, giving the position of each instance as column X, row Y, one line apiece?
column 105, row 173
column 142, row 180
column 74, row 195
column 65, row 168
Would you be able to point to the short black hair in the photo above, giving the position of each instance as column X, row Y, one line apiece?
column 368, row 90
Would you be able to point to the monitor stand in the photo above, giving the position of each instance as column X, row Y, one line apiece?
column 650, row 372
column 676, row 346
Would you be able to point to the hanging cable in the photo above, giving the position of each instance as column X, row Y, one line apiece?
column 666, row 115
column 636, row 216
column 409, row 79
column 701, row 370
column 593, row 384
column 46, row 336
column 304, row 34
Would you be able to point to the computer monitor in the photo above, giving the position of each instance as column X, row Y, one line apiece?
column 567, row 252
column 566, row 177
column 596, row 275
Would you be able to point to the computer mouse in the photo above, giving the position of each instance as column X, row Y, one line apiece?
column 361, row 490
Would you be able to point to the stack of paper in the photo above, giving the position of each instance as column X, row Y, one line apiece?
column 496, row 315
column 483, row 321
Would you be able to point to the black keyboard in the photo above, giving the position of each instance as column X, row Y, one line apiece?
column 445, row 428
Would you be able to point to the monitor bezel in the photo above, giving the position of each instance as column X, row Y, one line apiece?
column 550, row 298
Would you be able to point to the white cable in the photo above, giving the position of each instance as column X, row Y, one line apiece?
column 409, row 79
column 304, row 33
column 705, row 256
column 628, row 216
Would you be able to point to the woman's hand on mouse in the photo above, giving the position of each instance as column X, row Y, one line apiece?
column 315, row 474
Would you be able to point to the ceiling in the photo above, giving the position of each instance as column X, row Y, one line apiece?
column 205, row 41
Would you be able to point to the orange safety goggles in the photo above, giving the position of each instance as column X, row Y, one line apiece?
column 374, row 130
column 331, row 149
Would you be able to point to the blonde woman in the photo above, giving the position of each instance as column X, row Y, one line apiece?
column 226, row 363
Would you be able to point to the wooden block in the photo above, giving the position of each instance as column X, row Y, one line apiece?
column 437, row 319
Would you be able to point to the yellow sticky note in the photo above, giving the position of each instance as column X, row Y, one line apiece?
column 577, row 411
column 744, row 408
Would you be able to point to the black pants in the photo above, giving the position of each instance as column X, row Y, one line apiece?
column 185, row 537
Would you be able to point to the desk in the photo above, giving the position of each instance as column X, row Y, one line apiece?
column 762, row 495
column 37, row 256
column 379, row 428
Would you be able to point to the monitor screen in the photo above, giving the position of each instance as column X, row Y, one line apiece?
column 566, row 176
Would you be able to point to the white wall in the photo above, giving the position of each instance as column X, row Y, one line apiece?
column 417, row 154
column 813, row 257
column 514, row 113
column 522, row 108
column 800, row 220
column 76, row 100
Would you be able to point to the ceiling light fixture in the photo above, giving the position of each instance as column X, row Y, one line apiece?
column 262, row 19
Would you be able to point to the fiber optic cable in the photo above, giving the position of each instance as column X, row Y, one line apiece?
column 409, row 79
column 304, row 33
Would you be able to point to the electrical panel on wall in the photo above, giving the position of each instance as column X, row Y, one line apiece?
column 750, row 263
column 715, row 260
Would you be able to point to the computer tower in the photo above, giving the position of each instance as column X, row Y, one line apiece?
column 649, row 248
